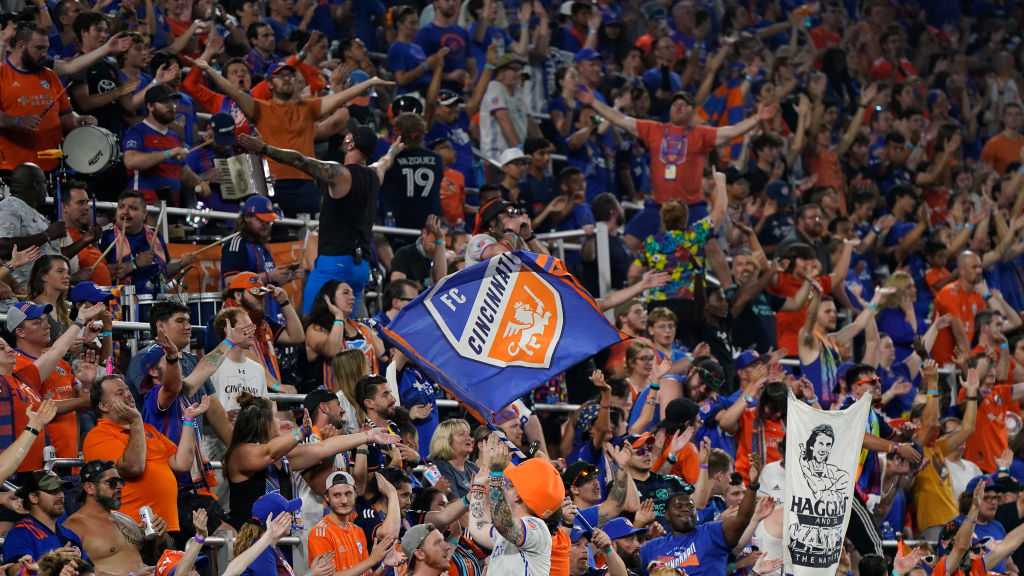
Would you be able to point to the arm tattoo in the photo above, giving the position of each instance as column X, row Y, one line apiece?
column 213, row 358
column 477, row 509
column 501, row 515
column 322, row 171
column 617, row 492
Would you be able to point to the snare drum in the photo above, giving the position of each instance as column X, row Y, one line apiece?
column 203, row 307
column 91, row 149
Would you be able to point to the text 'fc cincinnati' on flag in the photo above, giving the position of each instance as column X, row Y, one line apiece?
column 498, row 329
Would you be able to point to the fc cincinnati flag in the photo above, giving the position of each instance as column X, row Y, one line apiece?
column 822, row 451
column 500, row 328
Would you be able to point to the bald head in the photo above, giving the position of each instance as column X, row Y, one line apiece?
column 28, row 182
column 968, row 266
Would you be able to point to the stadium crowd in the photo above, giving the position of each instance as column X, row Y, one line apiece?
column 847, row 222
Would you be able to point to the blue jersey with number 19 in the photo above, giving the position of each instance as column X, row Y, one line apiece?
column 412, row 188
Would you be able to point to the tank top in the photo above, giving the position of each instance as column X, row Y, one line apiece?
column 345, row 223
column 242, row 495
column 823, row 372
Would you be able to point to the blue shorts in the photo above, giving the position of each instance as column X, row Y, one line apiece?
column 340, row 268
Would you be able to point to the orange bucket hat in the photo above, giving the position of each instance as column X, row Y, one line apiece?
column 538, row 484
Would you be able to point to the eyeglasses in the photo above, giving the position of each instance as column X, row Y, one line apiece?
column 114, row 483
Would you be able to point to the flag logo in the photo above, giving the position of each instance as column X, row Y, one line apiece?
column 512, row 317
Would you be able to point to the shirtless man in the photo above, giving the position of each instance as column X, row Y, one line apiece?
column 117, row 551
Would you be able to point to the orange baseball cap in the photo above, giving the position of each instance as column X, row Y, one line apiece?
column 244, row 281
column 538, row 484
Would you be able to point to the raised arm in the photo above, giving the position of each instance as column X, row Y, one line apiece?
column 848, row 332
column 627, row 123
column 950, row 443
column 12, row 456
column 245, row 102
column 765, row 112
column 479, row 506
column 382, row 165
column 734, row 526
column 323, row 172
column 719, row 199
column 858, row 119
column 277, row 528
column 82, row 327
column 504, row 522
column 332, row 102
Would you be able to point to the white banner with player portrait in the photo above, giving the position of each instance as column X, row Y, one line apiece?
column 822, row 454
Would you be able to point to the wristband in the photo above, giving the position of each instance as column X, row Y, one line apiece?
column 363, row 451
column 972, row 398
column 1002, row 469
column 297, row 434
column 876, row 230
column 496, row 474
column 199, row 539
column 106, row 334
column 167, row 154
column 755, row 486
column 970, row 227
column 655, row 386
column 339, row 323
column 703, row 466
column 530, row 239
column 873, row 307
column 189, row 423
column 934, row 392
column 671, row 459
column 986, row 296
column 488, row 66
column 229, row 343
column 894, row 449
column 438, row 242
column 32, row 430
column 1004, row 346
column 80, row 324
column 465, row 500
column 171, row 360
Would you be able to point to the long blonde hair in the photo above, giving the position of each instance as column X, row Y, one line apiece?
column 348, row 366
column 441, row 441
column 901, row 281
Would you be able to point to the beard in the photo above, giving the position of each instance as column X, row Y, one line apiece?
column 164, row 117
column 32, row 64
column 109, row 502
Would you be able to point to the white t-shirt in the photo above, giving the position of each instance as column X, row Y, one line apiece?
column 533, row 558
column 960, row 473
column 232, row 378
column 492, row 140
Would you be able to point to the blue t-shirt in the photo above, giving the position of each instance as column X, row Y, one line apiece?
column 168, row 422
column 709, row 426
column 900, row 405
column 144, row 278
column 702, row 551
column 405, row 56
column 415, row 388
column 144, row 81
column 31, row 537
column 713, row 511
column 991, row 529
column 432, row 37
column 458, row 134
column 144, row 138
column 638, row 407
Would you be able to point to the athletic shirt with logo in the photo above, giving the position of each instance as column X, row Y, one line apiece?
column 532, row 558
column 412, row 188
column 100, row 78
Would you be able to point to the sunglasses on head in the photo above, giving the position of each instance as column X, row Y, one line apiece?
column 513, row 211
column 584, row 476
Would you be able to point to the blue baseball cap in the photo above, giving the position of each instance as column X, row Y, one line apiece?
column 621, row 528
column 25, row 310
column 747, row 358
column 273, row 504
column 587, row 54
column 149, row 358
column 577, row 533
column 779, row 191
column 87, row 291
column 260, row 207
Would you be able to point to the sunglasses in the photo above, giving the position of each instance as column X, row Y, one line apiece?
column 514, row 212
column 113, row 483
column 643, row 450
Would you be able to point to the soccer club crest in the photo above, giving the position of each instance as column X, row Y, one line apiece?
column 511, row 317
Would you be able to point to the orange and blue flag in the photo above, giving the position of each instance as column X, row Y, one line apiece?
column 499, row 329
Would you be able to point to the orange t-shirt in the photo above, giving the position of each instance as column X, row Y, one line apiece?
column 289, row 125
column 62, row 432
column 453, row 196
column 678, row 156
column 311, row 74
column 560, row 545
column 977, row 568
column 773, row 432
column 27, row 94
column 999, row 152
column 963, row 305
column 90, row 256
column 825, row 165
column 989, row 439
column 347, row 542
column 157, row 487
column 687, row 464
column 26, row 391
column 936, row 276
column 788, row 324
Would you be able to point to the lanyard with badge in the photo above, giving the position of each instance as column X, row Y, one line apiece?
column 673, row 153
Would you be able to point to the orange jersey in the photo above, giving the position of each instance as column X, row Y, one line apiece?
column 788, row 324
column 157, row 487
column 30, row 94
column 62, row 432
column 963, row 305
column 773, row 432
column 989, row 439
column 347, row 542
column 26, row 392
column 560, row 545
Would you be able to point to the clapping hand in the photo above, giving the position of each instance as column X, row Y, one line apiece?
column 43, row 415
column 21, row 257
column 198, row 409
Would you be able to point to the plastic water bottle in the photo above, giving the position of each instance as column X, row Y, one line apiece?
column 389, row 220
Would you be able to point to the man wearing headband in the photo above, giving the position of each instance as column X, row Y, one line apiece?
column 703, row 549
column 338, row 535
column 111, row 540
